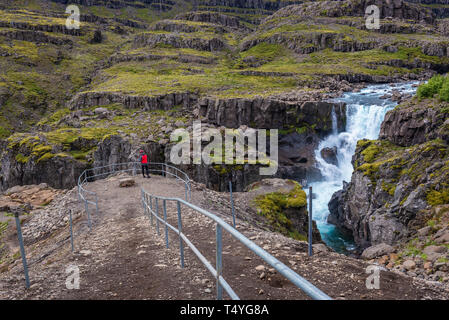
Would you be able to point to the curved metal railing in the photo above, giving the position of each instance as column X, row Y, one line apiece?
column 92, row 174
column 90, row 197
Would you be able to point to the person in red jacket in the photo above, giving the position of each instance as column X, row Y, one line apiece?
column 144, row 162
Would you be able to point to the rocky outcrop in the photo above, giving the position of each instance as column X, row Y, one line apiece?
column 217, row 177
column 57, row 28
column 179, row 41
column 178, row 26
column 309, row 42
column 252, row 4
column 377, row 251
column 415, row 123
column 330, row 155
column 34, row 36
column 283, row 204
column 118, row 4
column 163, row 102
column 184, row 58
column 22, row 199
column 212, row 17
column 266, row 113
column 60, row 172
column 388, row 9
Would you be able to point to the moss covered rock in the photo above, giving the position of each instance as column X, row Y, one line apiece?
column 283, row 203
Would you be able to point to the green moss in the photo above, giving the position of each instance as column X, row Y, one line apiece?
column 390, row 188
column 21, row 158
column 435, row 197
column 4, row 133
column 370, row 153
column 272, row 206
column 3, row 227
column 45, row 157
column 403, row 200
column 39, row 150
column 297, row 198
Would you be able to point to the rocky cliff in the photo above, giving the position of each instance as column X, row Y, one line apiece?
column 398, row 178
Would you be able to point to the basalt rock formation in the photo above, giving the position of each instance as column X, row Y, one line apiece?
column 398, row 179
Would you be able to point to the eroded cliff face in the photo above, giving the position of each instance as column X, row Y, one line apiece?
column 398, row 178
column 72, row 142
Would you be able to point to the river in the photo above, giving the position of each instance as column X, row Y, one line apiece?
column 364, row 115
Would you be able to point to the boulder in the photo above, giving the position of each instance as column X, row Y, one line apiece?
column 377, row 251
column 424, row 231
column 409, row 265
column 432, row 248
column 320, row 247
column 100, row 110
column 443, row 239
column 329, row 155
column 126, row 182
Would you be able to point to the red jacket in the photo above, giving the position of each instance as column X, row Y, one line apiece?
column 144, row 159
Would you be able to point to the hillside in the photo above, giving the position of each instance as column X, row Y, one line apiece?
column 135, row 71
column 187, row 66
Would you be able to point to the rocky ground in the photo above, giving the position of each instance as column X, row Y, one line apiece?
column 123, row 257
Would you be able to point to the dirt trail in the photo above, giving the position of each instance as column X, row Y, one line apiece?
column 123, row 257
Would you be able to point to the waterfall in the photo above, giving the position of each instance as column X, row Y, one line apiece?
column 364, row 115
column 334, row 121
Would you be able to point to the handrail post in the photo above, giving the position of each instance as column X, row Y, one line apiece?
column 190, row 191
column 185, row 185
column 219, row 261
column 157, row 217
column 86, row 205
column 71, row 228
column 22, row 250
column 181, row 245
column 144, row 203
column 232, row 203
column 164, row 203
column 151, row 210
column 310, row 222
column 96, row 204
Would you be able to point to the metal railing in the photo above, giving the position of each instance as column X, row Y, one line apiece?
column 92, row 174
column 147, row 203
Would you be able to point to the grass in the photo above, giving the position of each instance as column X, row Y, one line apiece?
column 437, row 85
column 159, row 78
